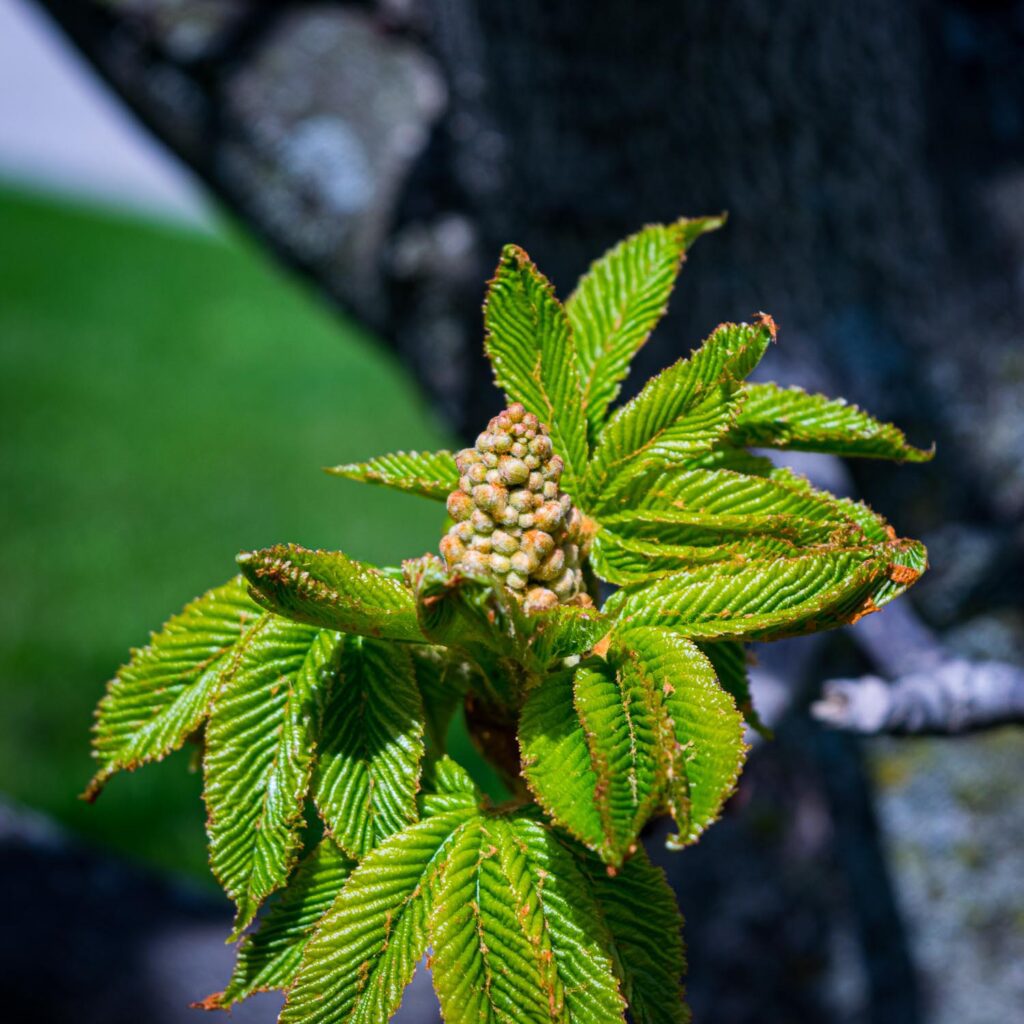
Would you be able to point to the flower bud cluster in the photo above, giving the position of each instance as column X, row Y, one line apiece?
column 511, row 519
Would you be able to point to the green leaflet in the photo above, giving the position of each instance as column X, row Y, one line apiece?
column 619, row 301
column 639, row 911
column 765, row 599
column 443, row 684
column 447, row 786
column 592, row 754
column 370, row 745
column 696, row 497
column 329, row 589
column 163, row 694
column 729, row 660
column 664, row 522
column 775, row 417
column 705, row 728
column 680, row 413
column 259, row 756
column 366, row 947
column 515, row 932
column 620, row 560
column 531, row 351
column 430, row 474
column 269, row 958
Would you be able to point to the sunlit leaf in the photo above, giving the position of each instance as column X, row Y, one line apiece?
column 430, row 474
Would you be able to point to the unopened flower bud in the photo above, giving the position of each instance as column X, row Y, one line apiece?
column 460, row 506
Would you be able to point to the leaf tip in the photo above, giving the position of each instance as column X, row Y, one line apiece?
column 214, row 1001
column 766, row 321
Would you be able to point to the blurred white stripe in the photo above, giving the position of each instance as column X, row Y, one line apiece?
column 62, row 130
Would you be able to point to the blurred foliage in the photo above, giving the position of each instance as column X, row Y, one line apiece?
column 165, row 397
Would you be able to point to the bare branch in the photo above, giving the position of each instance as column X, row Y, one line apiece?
column 955, row 697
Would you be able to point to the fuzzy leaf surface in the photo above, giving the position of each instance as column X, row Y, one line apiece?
column 429, row 474
column 270, row 957
column 370, row 745
column 619, row 301
column 683, row 411
column 775, row 417
column 164, row 693
column 707, row 749
column 259, row 756
column 591, row 754
column 766, row 599
column 639, row 910
column 331, row 590
column 366, row 947
column 530, row 346
column 515, row 932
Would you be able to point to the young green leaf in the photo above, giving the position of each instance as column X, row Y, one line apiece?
column 366, row 947
column 682, row 412
column 664, row 522
column 766, row 599
column 269, row 958
column 620, row 300
column 514, row 940
column 591, row 754
column 623, row 560
column 447, row 786
column 443, row 682
column 729, row 660
column 774, row 417
column 530, row 347
column 331, row 590
column 577, row 935
column 430, row 474
column 639, row 911
column 370, row 745
column 163, row 694
column 259, row 756
column 705, row 729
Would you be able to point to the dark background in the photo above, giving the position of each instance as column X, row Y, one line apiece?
column 168, row 394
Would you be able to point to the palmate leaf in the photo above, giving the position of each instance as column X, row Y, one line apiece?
column 516, row 933
column 705, row 728
column 370, row 745
column 270, row 957
column 530, row 346
column 619, row 301
column 682, row 412
column 366, row 947
column 429, row 474
column 639, row 910
column 164, row 693
column 259, row 756
column 775, row 417
column 331, row 590
column 593, row 753
column 770, row 598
